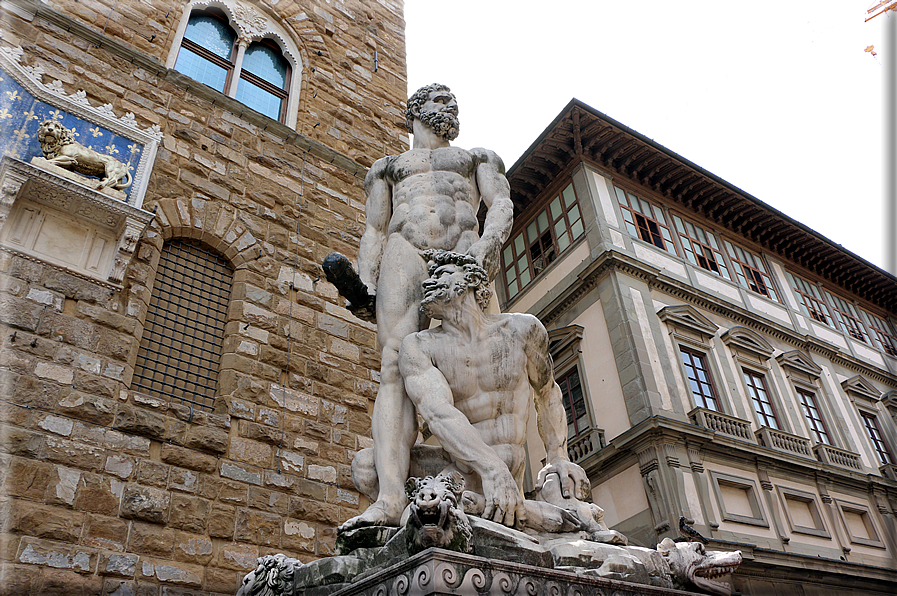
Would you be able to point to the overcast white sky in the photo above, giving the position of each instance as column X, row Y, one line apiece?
column 777, row 98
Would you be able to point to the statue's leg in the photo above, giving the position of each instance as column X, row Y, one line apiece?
column 394, row 421
column 364, row 474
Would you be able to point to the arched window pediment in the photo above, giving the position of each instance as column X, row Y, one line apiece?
column 252, row 25
column 749, row 341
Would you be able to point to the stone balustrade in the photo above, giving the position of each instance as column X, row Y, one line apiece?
column 782, row 441
column 838, row 457
column 584, row 445
column 722, row 423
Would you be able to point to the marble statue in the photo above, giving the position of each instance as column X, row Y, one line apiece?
column 425, row 198
column 61, row 149
column 472, row 379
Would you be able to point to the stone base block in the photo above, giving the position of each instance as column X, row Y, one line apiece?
column 438, row 572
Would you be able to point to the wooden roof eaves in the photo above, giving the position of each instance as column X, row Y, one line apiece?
column 808, row 241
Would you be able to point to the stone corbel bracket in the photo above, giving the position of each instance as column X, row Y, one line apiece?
column 21, row 182
column 32, row 77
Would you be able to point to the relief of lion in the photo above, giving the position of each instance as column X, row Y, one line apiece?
column 61, row 149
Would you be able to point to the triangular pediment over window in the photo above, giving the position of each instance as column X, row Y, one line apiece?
column 688, row 317
column 748, row 341
column 798, row 360
column 857, row 387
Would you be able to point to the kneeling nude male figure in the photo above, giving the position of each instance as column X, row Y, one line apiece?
column 472, row 379
column 425, row 198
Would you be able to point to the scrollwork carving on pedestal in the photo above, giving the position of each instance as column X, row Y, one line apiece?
column 401, row 585
column 475, row 580
column 449, row 576
column 422, row 577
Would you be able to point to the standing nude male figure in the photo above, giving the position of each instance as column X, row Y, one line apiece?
column 425, row 198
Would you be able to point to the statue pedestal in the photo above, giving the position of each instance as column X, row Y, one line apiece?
column 438, row 572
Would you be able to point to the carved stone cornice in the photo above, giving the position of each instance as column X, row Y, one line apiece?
column 45, row 188
column 588, row 278
column 614, row 260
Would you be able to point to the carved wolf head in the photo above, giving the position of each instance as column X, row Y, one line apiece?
column 693, row 565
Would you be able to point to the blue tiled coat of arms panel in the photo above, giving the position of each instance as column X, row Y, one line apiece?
column 21, row 115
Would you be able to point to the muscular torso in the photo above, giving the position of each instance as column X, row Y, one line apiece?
column 489, row 383
column 435, row 197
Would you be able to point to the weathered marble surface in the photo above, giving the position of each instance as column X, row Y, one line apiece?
column 425, row 198
column 472, row 380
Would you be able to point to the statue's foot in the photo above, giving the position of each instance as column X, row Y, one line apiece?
column 378, row 514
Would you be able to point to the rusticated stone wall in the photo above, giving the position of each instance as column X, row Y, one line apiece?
column 106, row 490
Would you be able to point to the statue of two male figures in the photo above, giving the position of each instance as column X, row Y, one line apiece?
column 471, row 378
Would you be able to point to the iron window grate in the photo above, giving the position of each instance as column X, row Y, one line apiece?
column 180, row 349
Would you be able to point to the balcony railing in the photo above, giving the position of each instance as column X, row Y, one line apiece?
column 838, row 457
column 584, row 445
column 782, row 441
column 722, row 423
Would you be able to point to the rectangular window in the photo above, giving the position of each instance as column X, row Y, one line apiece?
column 574, row 403
column 751, row 272
column 814, row 417
column 645, row 221
column 812, row 302
column 756, row 384
column 878, row 442
column 882, row 333
column 542, row 240
column 701, row 247
column 699, row 379
column 849, row 318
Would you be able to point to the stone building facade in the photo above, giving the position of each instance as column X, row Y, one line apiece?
column 181, row 390
column 719, row 361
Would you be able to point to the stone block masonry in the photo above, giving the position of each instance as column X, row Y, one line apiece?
column 107, row 490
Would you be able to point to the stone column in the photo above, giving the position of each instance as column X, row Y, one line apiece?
column 242, row 44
